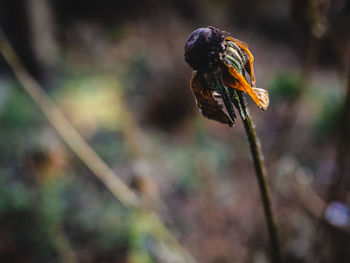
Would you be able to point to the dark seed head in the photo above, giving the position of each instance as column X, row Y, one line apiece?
column 204, row 48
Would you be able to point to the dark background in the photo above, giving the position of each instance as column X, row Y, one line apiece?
column 116, row 69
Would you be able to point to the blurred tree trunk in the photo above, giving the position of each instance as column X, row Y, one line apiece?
column 340, row 182
column 41, row 32
column 29, row 27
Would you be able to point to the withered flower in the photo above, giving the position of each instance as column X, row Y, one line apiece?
column 223, row 71
column 222, row 66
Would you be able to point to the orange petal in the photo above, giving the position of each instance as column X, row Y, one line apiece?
column 235, row 80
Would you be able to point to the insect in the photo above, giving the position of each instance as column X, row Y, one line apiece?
column 223, row 69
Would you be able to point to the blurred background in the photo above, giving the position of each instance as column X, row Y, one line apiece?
column 116, row 70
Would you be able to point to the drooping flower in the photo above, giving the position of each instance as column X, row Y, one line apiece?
column 222, row 66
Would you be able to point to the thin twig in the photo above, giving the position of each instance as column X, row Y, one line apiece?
column 82, row 149
column 261, row 176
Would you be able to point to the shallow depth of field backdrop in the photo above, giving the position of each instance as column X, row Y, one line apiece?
column 116, row 70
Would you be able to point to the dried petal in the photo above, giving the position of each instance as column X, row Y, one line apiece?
column 238, row 63
column 209, row 101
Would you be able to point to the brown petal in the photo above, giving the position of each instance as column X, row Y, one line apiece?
column 206, row 103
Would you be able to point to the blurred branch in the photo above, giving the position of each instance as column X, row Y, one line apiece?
column 63, row 246
column 311, row 201
column 342, row 155
column 40, row 20
column 291, row 111
column 324, row 228
column 81, row 148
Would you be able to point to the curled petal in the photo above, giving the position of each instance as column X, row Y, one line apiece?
column 263, row 97
column 234, row 79
column 210, row 107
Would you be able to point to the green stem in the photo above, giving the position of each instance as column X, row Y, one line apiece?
column 261, row 176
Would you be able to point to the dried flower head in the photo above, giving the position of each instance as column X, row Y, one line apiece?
column 223, row 65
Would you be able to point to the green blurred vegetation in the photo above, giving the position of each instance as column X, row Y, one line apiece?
column 283, row 86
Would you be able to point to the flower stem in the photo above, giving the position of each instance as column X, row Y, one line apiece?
column 261, row 176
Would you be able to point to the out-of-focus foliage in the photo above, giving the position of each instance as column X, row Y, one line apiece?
column 327, row 121
column 283, row 87
column 89, row 107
